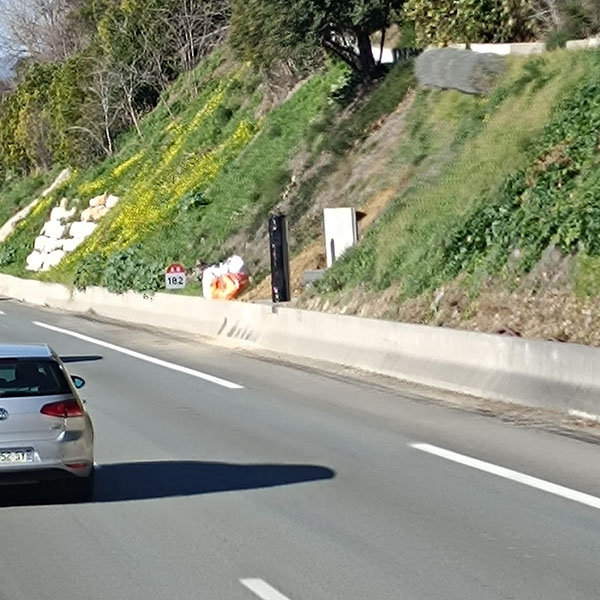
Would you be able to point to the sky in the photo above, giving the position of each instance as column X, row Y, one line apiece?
column 4, row 63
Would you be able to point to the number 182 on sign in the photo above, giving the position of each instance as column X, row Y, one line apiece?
column 175, row 278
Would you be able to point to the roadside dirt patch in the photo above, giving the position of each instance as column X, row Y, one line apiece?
column 552, row 314
column 375, row 207
column 366, row 179
column 311, row 258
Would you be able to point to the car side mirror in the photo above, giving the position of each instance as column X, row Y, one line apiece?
column 78, row 381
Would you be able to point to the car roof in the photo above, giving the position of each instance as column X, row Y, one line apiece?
column 25, row 351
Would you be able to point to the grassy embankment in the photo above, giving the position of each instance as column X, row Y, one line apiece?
column 490, row 197
column 504, row 200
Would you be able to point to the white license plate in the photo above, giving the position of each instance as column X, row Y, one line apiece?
column 15, row 456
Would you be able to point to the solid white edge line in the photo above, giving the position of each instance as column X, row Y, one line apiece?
column 155, row 361
column 262, row 589
column 534, row 482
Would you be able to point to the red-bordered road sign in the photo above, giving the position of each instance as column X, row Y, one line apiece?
column 175, row 278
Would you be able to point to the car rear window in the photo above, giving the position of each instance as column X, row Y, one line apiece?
column 20, row 377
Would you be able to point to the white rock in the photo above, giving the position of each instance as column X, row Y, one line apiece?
column 86, row 215
column 54, row 245
column 52, row 259
column 70, row 245
column 34, row 261
column 45, row 245
column 594, row 42
column 99, row 212
column 112, row 201
column 235, row 264
column 81, row 230
column 41, row 243
column 98, row 201
column 58, row 214
column 95, row 212
column 54, row 230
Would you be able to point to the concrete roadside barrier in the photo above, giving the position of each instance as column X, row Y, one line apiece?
column 561, row 377
column 515, row 49
column 587, row 44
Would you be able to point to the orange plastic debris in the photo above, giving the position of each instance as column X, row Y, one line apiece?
column 229, row 286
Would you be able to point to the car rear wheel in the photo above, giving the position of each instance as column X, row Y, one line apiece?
column 81, row 490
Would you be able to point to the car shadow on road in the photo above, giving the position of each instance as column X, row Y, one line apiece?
column 167, row 479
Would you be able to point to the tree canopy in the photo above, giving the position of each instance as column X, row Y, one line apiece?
column 267, row 31
column 464, row 21
column 93, row 68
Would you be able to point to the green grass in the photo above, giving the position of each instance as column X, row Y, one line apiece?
column 335, row 136
column 249, row 188
column 377, row 102
column 17, row 193
column 204, row 169
column 246, row 189
column 465, row 149
column 587, row 276
column 517, row 170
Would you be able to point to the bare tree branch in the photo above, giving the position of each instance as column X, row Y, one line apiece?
column 40, row 28
column 93, row 135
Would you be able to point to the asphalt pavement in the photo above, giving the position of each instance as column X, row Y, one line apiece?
column 222, row 476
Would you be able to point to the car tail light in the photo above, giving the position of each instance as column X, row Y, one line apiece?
column 63, row 409
column 78, row 466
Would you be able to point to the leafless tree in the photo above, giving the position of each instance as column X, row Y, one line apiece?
column 104, row 113
column 547, row 14
column 196, row 27
column 136, row 70
column 576, row 17
column 40, row 28
column 174, row 36
column 129, row 78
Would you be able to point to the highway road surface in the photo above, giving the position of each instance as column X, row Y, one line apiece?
column 226, row 477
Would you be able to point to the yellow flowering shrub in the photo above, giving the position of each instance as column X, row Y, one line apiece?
column 92, row 188
column 121, row 169
column 209, row 108
column 43, row 206
column 150, row 201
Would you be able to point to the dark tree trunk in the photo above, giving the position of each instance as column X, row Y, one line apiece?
column 365, row 55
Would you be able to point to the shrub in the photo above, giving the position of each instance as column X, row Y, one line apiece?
column 89, row 271
column 441, row 22
column 134, row 269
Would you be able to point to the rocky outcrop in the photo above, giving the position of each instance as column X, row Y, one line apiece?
column 61, row 235
column 463, row 70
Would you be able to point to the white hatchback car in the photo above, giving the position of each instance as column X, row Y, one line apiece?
column 46, row 434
